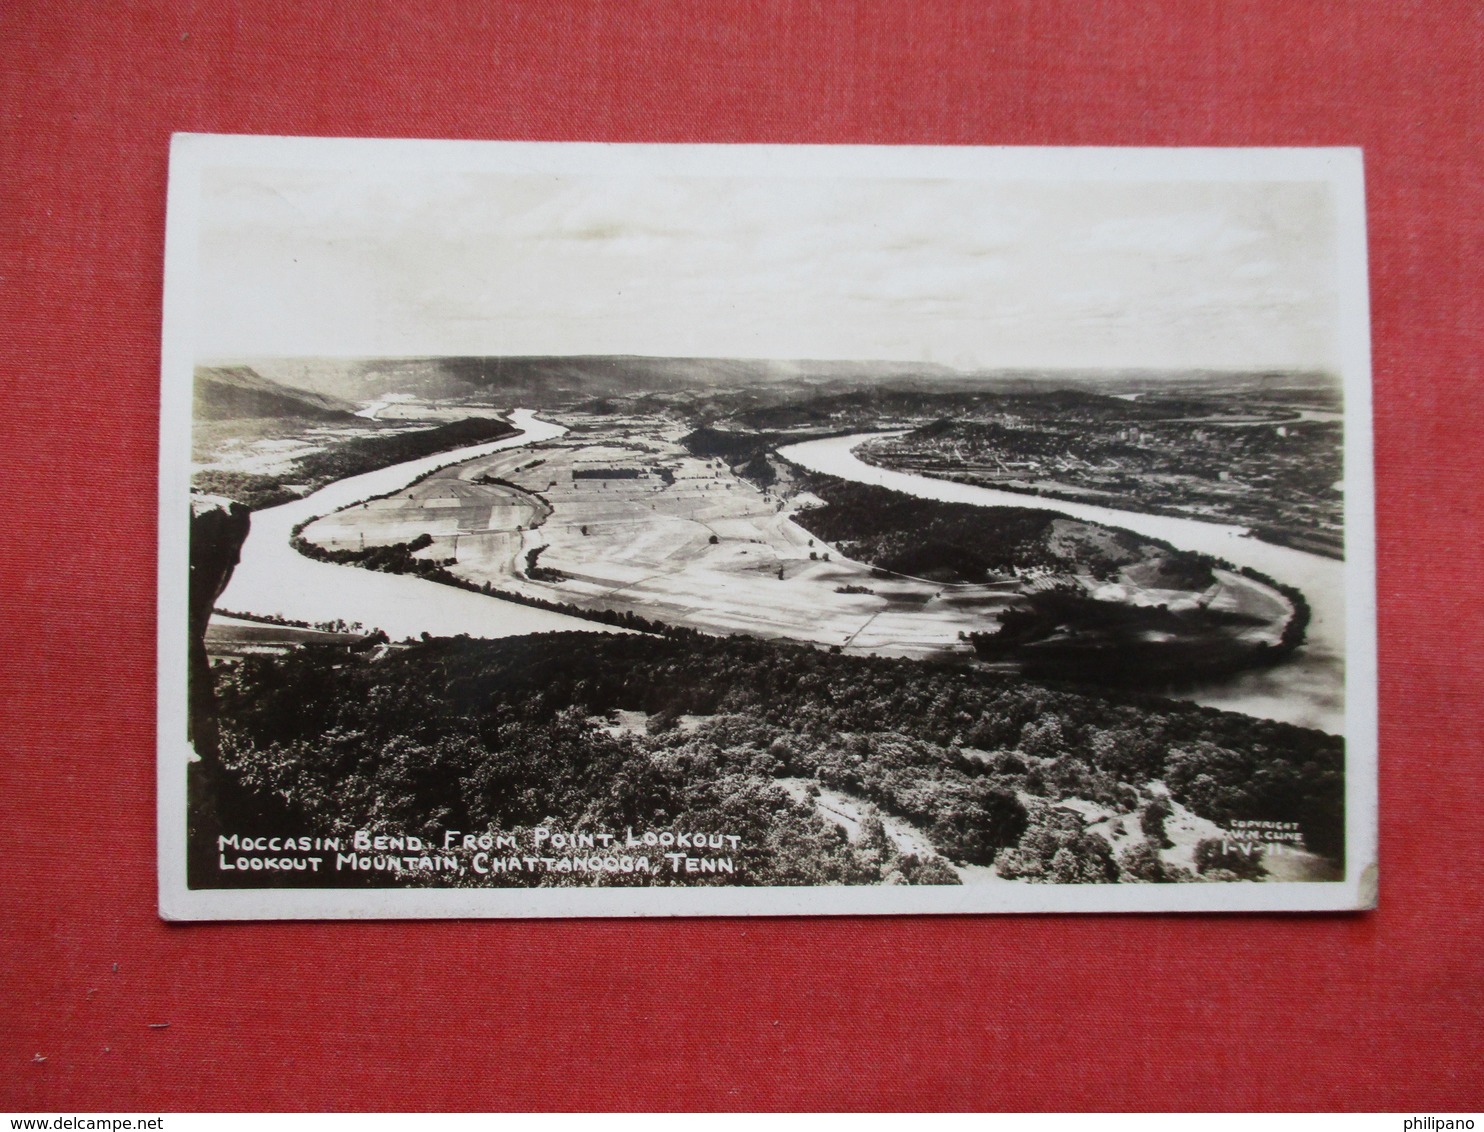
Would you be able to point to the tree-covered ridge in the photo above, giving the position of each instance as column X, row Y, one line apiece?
column 347, row 458
column 472, row 735
column 964, row 542
column 959, row 542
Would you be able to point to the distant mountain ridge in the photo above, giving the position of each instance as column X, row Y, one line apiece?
column 555, row 379
column 544, row 379
column 234, row 392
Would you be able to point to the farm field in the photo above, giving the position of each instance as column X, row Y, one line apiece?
column 231, row 638
column 271, row 446
column 633, row 522
column 618, row 515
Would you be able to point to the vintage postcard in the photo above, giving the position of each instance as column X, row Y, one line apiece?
column 602, row 530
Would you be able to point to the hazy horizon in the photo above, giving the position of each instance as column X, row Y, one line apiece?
column 930, row 368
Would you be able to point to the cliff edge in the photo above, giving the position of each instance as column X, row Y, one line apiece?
column 218, row 529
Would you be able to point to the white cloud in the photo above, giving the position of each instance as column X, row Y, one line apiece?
column 1003, row 273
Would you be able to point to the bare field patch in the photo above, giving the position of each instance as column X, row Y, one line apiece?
column 626, row 519
column 617, row 515
column 263, row 446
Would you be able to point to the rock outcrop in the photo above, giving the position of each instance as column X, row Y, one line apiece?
column 218, row 529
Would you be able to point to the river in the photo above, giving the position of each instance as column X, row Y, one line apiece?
column 1307, row 689
column 274, row 579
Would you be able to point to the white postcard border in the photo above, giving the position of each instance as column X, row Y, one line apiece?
column 1341, row 168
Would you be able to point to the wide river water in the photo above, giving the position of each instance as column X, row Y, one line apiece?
column 1307, row 689
column 273, row 578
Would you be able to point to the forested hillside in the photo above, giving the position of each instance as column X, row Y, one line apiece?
column 348, row 458
column 502, row 735
column 961, row 542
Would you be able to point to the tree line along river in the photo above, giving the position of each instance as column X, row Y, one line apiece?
column 273, row 579
column 1308, row 688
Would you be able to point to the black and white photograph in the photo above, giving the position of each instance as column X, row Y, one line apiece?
column 556, row 530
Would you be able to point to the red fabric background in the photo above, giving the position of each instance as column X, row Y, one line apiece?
column 1369, row 1011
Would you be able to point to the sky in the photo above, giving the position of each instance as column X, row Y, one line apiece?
column 975, row 274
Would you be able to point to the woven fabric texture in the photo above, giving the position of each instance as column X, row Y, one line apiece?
column 1376, row 1011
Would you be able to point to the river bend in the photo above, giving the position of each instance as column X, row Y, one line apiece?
column 1307, row 689
column 274, row 579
